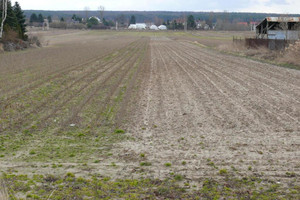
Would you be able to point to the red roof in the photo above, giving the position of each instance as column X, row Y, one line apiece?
column 243, row 23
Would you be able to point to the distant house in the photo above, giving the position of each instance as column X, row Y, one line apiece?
column 253, row 26
column 243, row 23
column 280, row 28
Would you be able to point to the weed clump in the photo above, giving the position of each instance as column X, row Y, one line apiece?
column 119, row 131
column 168, row 164
column 178, row 177
column 32, row 152
column 145, row 164
column 223, row 172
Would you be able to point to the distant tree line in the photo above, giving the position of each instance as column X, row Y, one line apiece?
column 174, row 20
column 14, row 25
column 34, row 18
column 149, row 16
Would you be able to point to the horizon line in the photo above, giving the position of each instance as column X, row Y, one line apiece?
column 166, row 11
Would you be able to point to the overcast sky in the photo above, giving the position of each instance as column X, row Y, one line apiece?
column 269, row 6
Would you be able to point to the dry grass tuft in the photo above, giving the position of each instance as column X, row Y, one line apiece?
column 3, row 191
column 291, row 54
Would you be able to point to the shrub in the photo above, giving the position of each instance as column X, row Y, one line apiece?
column 61, row 25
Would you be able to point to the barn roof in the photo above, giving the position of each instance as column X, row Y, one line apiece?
column 283, row 19
column 279, row 19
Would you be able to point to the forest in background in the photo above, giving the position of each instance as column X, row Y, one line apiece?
column 151, row 16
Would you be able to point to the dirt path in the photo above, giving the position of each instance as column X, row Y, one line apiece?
column 215, row 111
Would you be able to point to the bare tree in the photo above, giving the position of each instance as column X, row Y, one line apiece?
column 101, row 10
column 4, row 15
column 86, row 10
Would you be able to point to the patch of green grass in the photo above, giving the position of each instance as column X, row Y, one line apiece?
column 145, row 164
column 168, row 164
column 290, row 174
column 178, row 177
column 32, row 152
column 223, row 172
column 119, row 131
column 71, row 187
column 212, row 164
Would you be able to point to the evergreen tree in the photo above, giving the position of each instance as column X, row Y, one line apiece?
column 105, row 23
column 40, row 18
column 21, row 19
column 77, row 18
column 33, row 18
column 191, row 22
column 49, row 19
column 62, row 19
column 92, row 22
column 132, row 20
column 74, row 17
column 175, row 26
column 11, row 22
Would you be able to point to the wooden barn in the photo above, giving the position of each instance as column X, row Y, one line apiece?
column 279, row 28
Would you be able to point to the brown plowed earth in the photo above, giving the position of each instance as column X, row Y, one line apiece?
column 177, row 102
column 76, row 81
column 200, row 106
column 55, row 60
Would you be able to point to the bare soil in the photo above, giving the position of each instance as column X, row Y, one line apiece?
column 185, row 109
column 208, row 109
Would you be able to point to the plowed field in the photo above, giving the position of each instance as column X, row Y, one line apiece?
column 147, row 105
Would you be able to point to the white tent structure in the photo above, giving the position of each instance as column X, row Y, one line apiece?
column 162, row 27
column 99, row 20
column 132, row 27
column 138, row 26
column 141, row 26
column 153, row 27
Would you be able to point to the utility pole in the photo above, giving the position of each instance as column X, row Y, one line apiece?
column 116, row 25
column 86, row 9
column 185, row 23
column 4, row 15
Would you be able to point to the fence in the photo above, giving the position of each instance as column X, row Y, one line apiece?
column 268, row 43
